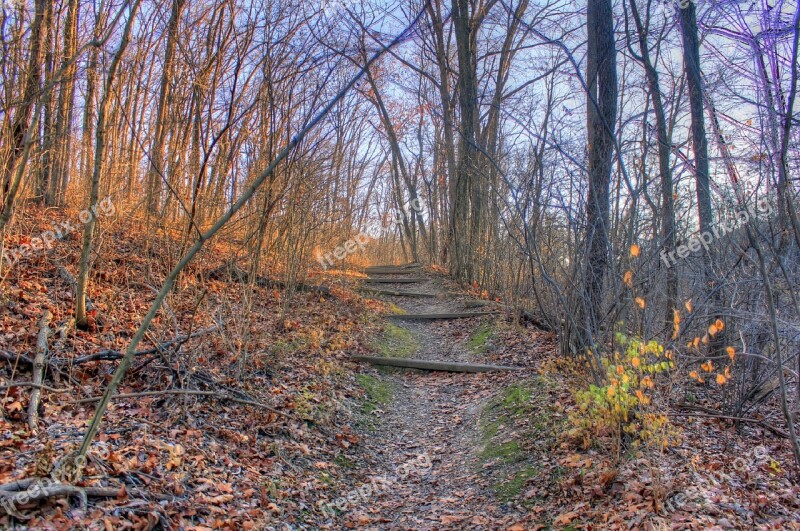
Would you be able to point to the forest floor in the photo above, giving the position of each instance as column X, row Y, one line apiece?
column 293, row 434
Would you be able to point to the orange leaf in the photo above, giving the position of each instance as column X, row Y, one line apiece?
column 720, row 325
column 688, row 305
column 676, row 320
column 627, row 278
column 731, row 352
column 712, row 330
column 636, row 362
column 634, row 250
column 720, row 379
column 640, row 302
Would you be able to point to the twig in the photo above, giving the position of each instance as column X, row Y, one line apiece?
column 38, row 370
column 35, row 386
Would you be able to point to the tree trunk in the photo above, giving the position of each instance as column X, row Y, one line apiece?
column 601, row 79
column 81, row 318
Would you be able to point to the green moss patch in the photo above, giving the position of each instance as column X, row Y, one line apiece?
column 396, row 342
column 378, row 392
column 518, row 428
column 477, row 341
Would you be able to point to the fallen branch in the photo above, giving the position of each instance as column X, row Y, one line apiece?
column 43, row 488
column 38, row 370
column 709, row 414
column 35, row 386
column 16, row 358
column 110, row 355
column 193, row 392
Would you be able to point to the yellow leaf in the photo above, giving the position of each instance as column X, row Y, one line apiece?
column 627, row 278
column 720, row 379
column 634, row 250
column 640, row 302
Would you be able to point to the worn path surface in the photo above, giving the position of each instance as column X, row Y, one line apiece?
column 436, row 416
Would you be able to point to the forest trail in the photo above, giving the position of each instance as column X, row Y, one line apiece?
column 431, row 427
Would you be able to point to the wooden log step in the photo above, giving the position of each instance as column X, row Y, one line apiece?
column 478, row 303
column 384, row 269
column 396, row 280
column 435, row 316
column 398, row 293
column 447, row 366
column 393, row 272
column 383, row 266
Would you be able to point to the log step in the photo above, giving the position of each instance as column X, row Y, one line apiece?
column 394, row 266
column 396, row 280
column 447, row 366
column 398, row 293
column 393, row 272
column 478, row 303
column 435, row 316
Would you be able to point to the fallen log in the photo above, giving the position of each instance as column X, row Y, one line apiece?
column 396, row 280
column 427, row 365
column 435, row 316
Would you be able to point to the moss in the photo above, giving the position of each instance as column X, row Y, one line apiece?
column 507, row 452
column 477, row 341
column 511, row 488
column 396, row 342
column 395, row 309
column 516, row 425
column 378, row 392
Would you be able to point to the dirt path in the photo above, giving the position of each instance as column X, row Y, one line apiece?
column 432, row 427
